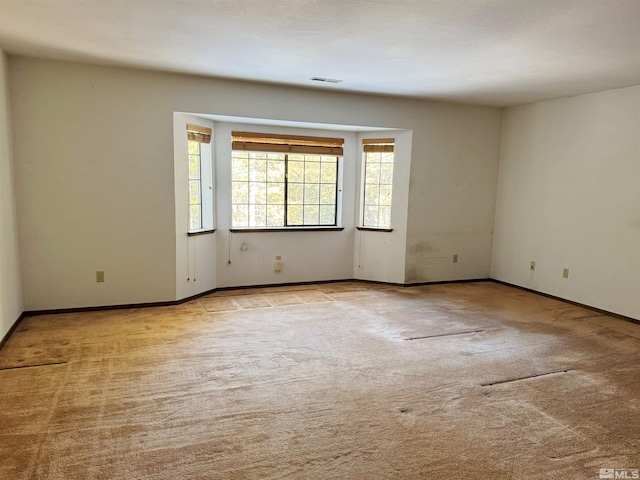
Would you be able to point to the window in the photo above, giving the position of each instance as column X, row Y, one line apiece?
column 200, row 202
column 281, row 181
column 195, row 186
column 378, row 159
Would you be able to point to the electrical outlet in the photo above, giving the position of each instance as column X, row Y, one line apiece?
column 100, row 276
column 277, row 266
column 455, row 258
column 565, row 273
column 533, row 265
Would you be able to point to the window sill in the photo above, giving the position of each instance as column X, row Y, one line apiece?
column 195, row 233
column 286, row 229
column 372, row 229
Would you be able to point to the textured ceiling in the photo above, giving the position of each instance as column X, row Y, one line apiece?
column 495, row 52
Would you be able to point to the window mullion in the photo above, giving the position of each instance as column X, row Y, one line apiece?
column 286, row 190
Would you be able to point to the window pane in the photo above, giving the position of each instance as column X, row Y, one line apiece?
column 327, row 215
column 194, row 192
column 275, row 193
column 275, row 171
column 240, row 215
column 257, row 170
column 294, row 215
column 329, row 172
column 311, row 215
column 371, row 194
column 194, row 147
column 195, row 217
column 296, row 191
column 258, row 193
column 372, row 174
column 240, row 169
column 385, row 217
column 239, row 192
column 311, row 194
column 386, row 173
column 386, row 157
column 194, row 166
column 371, row 216
column 275, row 215
column 385, row 195
column 296, row 171
column 312, row 172
column 373, row 157
column 327, row 194
column 257, row 215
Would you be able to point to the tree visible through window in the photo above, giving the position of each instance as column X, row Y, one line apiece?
column 297, row 187
column 378, row 182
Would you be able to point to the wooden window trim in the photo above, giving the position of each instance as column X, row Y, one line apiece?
column 303, row 144
column 378, row 144
column 199, row 134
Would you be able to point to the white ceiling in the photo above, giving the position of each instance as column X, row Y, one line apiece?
column 496, row 52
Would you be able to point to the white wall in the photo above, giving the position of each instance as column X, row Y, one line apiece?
column 452, row 191
column 10, row 282
column 93, row 156
column 569, row 197
column 95, row 185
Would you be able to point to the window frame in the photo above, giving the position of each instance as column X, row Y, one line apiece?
column 195, row 180
column 291, row 148
column 201, row 136
column 378, row 146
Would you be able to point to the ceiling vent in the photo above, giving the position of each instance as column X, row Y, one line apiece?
column 326, row 80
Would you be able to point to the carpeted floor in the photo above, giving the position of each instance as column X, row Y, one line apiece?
column 331, row 381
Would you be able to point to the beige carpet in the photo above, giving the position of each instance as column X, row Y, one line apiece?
column 335, row 381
